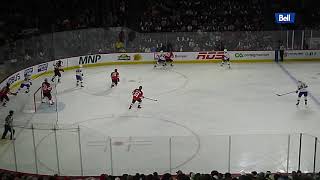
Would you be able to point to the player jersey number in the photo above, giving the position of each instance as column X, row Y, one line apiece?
column 136, row 94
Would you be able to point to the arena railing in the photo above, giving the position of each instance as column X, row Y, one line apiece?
column 77, row 150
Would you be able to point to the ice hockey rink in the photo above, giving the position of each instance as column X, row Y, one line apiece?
column 206, row 118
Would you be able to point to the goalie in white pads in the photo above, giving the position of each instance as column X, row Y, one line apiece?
column 25, row 83
column 302, row 91
column 46, row 90
column 226, row 58
column 79, row 76
column 161, row 59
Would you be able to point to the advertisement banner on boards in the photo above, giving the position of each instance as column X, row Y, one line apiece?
column 251, row 55
column 178, row 56
column 210, row 55
column 90, row 59
column 184, row 56
column 302, row 54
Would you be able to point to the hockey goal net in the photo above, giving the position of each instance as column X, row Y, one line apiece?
column 37, row 98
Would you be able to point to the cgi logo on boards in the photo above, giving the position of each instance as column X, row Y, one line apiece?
column 90, row 59
column 214, row 55
column 285, row 18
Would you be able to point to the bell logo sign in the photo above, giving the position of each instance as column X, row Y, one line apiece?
column 285, row 18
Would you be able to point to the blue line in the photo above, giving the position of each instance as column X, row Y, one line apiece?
column 296, row 82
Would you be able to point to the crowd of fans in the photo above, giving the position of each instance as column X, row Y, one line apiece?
column 204, row 15
column 30, row 32
column 19, row 19
column 207, row 25
column 214, row 175
column 205, row 41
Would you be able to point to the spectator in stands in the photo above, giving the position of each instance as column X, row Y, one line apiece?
column 119, row 46
column 27, row 58
column 196, row 48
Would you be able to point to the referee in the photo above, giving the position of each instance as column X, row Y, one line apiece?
column 8, row 126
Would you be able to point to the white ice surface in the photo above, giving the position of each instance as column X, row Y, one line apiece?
column 201, row 111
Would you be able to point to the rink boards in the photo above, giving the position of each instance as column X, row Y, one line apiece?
column 149, row 58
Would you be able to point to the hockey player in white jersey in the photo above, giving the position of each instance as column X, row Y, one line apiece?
column 303, row 91
column 161, row 59
column 79, row 76
column 25, row 83
column 226, row 58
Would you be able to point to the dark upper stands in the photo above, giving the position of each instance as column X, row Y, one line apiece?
column 204, row 15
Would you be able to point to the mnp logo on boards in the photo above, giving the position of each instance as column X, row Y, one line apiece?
column 285, row 18
column 89, row 59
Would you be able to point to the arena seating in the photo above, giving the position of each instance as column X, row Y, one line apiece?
column 214, row 175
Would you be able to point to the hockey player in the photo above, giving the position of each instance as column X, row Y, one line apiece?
column 161, row 59
column 57, row 69
column 114, row 78
column 169, row 59
column 4, row 94
column 59, row 63
column 46, row 90
column 137, row 95
column 79, row 76
column 302, row 89
column 226, row 58
column 25, row 83
column 8, row 126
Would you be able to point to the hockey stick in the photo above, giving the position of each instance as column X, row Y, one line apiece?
column 151, row 99
column 285, row 93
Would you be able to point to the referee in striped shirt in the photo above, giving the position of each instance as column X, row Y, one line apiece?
column 8, row 126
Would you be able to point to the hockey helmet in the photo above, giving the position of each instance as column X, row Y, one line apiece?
column 80, row 66
column 225, row 50
column 115, row 70
column 140, row 87
column 46, row 80
column 11, row 112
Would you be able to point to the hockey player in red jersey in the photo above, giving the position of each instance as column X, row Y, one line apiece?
column 169, row 58
column 46, row 90
column 137, row 95
column 4, row 94
column 115, row 78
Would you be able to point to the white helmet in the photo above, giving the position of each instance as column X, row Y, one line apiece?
column 161, row 51
column 225, row 50
column 80, row 65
